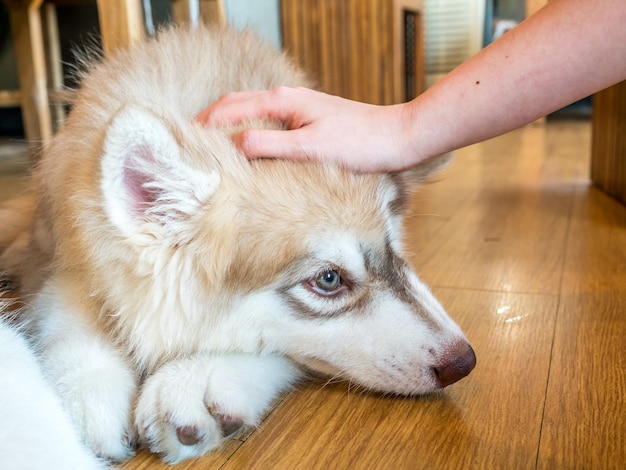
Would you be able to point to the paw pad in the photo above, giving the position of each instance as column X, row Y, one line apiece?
column 188, row 435
column 228, row 424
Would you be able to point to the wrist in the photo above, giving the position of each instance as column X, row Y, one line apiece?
column 418, row 137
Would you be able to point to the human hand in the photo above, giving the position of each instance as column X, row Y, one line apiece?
column 321, row 127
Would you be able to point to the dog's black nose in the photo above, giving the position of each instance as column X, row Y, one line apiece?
column 458, row 361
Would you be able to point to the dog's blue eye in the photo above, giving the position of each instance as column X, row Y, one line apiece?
column 328, row 281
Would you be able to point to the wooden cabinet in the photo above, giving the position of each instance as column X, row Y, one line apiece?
column 608, row 151
column 367, row 50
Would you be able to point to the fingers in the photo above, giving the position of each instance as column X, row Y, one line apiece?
column 318, row 126
column 230, row 108
column 278, row 104
column 282, row 104
column 260, row 143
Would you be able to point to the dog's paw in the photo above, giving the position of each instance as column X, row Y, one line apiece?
column 190, row 406
column 96, row 385
column 98, row 392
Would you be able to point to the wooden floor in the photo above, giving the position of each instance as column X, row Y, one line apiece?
column 531, row 262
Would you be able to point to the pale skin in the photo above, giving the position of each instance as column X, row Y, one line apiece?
column 566, row 51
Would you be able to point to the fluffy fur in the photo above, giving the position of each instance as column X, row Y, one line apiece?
column 177, row 288
column 35, row 431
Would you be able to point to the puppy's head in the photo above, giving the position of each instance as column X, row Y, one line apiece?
column 299, row 259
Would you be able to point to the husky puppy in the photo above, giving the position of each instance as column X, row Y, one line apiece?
column 175, row 288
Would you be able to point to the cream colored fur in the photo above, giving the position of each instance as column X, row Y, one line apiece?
column 177, row 285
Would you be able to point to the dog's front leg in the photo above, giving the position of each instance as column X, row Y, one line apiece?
column 190, row 406
column 96, row 385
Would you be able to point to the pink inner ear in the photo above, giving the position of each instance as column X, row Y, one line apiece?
column 137, row 179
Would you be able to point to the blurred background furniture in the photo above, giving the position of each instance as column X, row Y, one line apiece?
column 42, row 95
column 608, row 150
column 369, row 51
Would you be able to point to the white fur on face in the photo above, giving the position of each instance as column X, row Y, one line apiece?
column 385, row 330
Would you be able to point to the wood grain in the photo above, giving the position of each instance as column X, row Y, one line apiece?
column 500, row 214
column 146, row 461
column 586, row 400
column 354, row 48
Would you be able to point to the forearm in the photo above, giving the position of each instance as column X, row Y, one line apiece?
column 568, row 50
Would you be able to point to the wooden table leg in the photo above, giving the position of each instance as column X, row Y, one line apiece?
column 31, row 67
column 54, row 63
column 121, row 23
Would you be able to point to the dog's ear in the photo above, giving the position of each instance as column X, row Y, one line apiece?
column 408, row 181
column 425, row 170
column 145, row 180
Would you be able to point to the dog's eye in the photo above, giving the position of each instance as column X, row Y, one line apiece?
column 328, row 281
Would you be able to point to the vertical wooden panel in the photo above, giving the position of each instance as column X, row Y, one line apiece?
column 354, row 48
column 354, row 62
column 370, row 52
column 343, row 38
column 307, row 29
column 324, row 45
column 364, row 65
column 387, row 19
column 608, row 166
column 315, row 57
